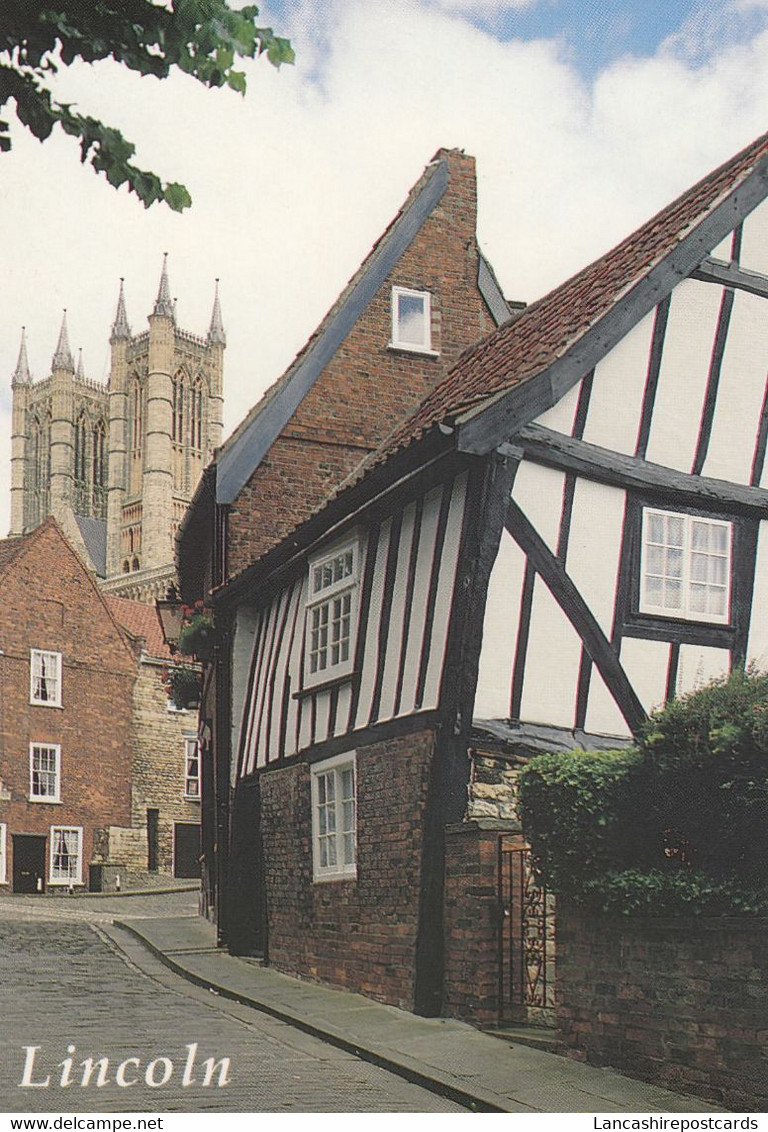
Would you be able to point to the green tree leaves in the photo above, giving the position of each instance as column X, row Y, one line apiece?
column 201, row 38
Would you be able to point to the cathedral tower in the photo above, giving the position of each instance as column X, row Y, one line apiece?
column 117, row 464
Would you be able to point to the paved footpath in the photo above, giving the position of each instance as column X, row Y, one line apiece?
column 103, row 975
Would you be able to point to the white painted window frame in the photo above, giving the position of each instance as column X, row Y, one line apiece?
column 685, row 612
column 400, row 343
column 333, row 768
column 36, row 658
column 3, row 853
column 191, row 743
column 65, row 882
column 45, row 799
column 326, row 596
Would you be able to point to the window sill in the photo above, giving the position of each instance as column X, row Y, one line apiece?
column 44, row 801
column 403, row 348
column 45, row 703
column 334, row 878
column 66, row 884
column 323, row 685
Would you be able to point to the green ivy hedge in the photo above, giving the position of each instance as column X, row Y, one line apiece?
column 678, row 822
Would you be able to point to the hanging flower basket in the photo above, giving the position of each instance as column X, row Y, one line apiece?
column 183, row 684
column 197, row 633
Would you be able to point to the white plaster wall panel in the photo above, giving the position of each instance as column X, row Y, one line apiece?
column 424, row 558
column 342, row 709
column 293, row 625
column 594, row 546
column 757, row 644
column 397, row 615
column 444, row 596
column 646, row 663
column 603, row 715
column 250, row 709
column 322, row 715
column 552, row 663
column 616, row 404
column 699, row 665
column 294, row 670
column 684, row 373
column 740, row 392
column 265, row 681
column 370, row 654
column 246, row 625
column 561, row 416
column 502, row 612
column 724, row 248
column 305, row 722
column 538, row 491
column 754, row 240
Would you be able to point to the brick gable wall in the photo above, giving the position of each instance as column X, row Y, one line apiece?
column 368, row 388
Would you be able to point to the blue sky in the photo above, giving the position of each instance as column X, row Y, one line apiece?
column 591, row 34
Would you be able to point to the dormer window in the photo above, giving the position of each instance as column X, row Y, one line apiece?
column 411, row 320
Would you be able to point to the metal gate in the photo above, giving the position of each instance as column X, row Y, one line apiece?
column 526, row 939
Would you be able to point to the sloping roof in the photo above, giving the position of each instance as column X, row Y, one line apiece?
column 9, row 548
column 94, row 532
column 556, row 325
column 141, row 622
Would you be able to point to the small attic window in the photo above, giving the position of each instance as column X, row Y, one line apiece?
column 411, row 320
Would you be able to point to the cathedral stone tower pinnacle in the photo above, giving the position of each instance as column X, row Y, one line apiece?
column 117, row 463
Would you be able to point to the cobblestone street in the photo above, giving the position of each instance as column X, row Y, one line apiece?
column 71, row 979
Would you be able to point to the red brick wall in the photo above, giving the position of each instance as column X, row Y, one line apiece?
column 51, row 603
column 359, row 933
column 471, row 925
column 680, row 1002
column 367, row 389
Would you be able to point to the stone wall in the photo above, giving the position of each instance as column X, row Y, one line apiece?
column 681, row 1002
column 158, row 745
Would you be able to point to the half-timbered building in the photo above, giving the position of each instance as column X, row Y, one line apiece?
column 572, row 528
column 422, row 295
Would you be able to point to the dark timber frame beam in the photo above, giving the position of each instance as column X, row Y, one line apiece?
column 729, row 274
column 545, row 446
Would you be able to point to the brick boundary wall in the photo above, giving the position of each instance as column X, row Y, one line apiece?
column 471, row 986
column 681, row 1002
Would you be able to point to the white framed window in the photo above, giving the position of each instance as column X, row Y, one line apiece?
column 412, row 320
column 45, row 678
column 66, row 855
column 3, row 853
column 686, row 566
column 192, row 768
column 44, row 772
column 332, row 613
column 334, row 818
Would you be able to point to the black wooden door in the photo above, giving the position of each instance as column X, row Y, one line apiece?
column 28, row 863
column 186, row 849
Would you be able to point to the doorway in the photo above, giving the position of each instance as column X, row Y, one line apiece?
column 28, row 863
column 186, row 849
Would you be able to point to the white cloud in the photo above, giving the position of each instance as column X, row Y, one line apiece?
column 294, row 183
